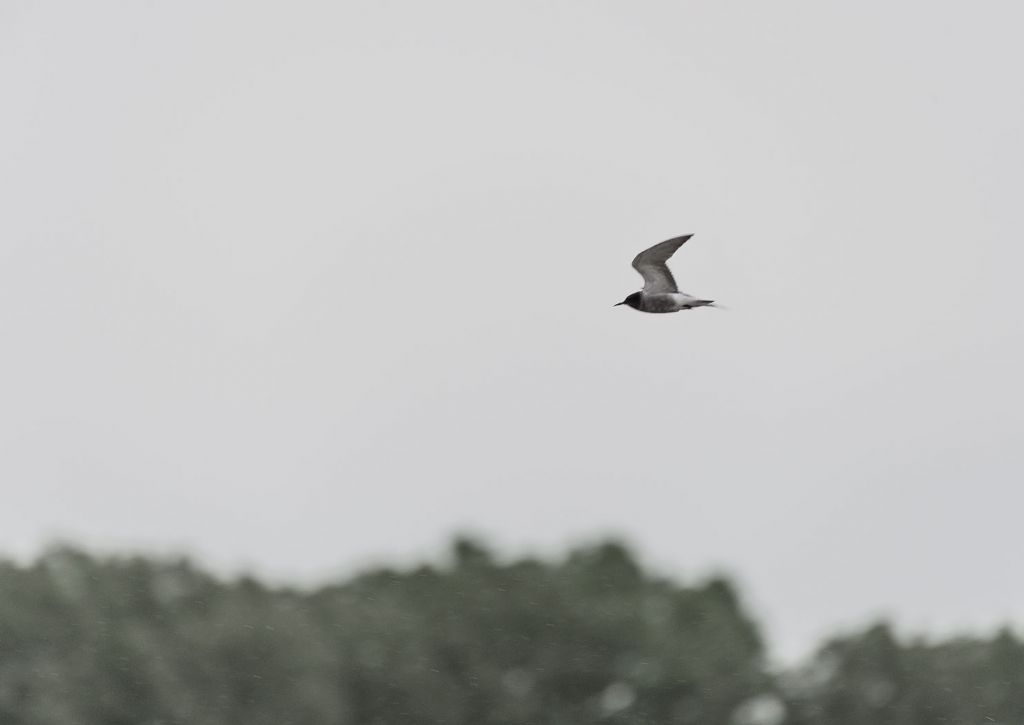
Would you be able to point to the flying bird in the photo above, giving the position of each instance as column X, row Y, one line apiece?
column 660, row 293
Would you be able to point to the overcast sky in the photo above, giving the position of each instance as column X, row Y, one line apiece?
column 302, row 286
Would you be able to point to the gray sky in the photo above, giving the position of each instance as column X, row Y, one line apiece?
column 300, row 286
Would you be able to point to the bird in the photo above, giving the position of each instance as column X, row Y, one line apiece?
column 660, row 293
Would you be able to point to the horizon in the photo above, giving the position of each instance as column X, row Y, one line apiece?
column 441, row 558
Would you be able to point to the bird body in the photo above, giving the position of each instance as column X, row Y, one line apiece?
column 665, row 302
column 660, row 293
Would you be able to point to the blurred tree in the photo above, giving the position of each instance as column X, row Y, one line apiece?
column 477, row 641
column 872, row 678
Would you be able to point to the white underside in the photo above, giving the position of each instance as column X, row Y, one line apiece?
column 682, row 299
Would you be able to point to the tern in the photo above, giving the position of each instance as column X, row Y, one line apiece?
column 660, row 293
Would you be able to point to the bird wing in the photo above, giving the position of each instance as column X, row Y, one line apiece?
column 650, row 263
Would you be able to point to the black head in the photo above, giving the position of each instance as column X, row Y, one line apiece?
column 633, row 301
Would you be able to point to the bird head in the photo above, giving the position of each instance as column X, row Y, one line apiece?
column 633, row 301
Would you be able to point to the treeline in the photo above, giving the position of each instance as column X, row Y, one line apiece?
column 591, row 638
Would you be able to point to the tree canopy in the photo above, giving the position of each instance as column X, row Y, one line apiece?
column 476, row 641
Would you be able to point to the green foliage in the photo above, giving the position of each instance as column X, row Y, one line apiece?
column 592, row 638
column 872, row 679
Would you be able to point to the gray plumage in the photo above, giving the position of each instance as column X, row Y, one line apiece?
column 660, row 293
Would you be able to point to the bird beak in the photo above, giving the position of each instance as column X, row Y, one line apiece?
column 618, row 303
